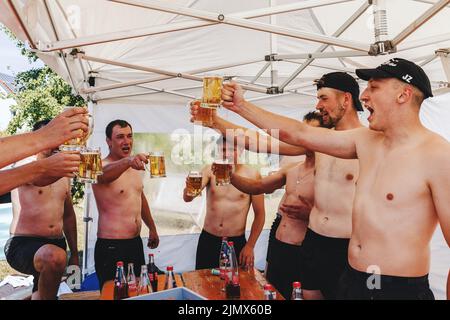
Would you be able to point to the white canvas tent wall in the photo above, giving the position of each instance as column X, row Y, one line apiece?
column 142, row 60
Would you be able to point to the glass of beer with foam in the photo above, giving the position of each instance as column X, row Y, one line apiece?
column 90, row 165
column 157, row 164
column 212, row 92
column 194, row 183
column 76, row 144
column 204, row 115
column 222, row 169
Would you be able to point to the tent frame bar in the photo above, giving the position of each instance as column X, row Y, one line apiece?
column 22, row 25
column 424, row 42
column 153, row 79
column 239, row 22
column 159, row 29
column 320, row 55
column 438, row 6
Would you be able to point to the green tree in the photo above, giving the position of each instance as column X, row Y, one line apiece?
column 41, row 94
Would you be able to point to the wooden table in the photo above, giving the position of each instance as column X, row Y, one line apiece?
column 210, row 286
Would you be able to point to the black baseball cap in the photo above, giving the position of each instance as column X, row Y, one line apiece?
column 401, row 69
column 341, row 81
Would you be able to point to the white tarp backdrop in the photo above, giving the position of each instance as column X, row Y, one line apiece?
column 141, row 60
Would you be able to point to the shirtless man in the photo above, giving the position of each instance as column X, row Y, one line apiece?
column 37, row 245
column 122, row 205
column 226, row 215
column 69, row 124
column 404, row 178
column 284, row 254
column 330, row 222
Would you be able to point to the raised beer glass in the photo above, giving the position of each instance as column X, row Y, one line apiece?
column 157, row 164
column 194, row 187
column 204, row 115
column 90, row 165
column 212, row 92
column 76, row 144
column 222, row 169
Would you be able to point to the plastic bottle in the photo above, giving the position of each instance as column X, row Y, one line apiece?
column 144, row 283
column 152, row 272
column 223, row 257
column 269, row 292
column 120, row 283
column 297, row 293
column 131, row 281
column 232, row 286
column 170, row 279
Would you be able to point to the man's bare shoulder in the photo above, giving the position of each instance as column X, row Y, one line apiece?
column 437, row 151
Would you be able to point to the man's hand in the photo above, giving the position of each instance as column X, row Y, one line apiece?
column 233, row 97
column 153, row 240
column 73, row 260
column 72, row 123
column 61, row 164
column 138, row 161
column 194, row 108
column 298, row 211
column 246, row 257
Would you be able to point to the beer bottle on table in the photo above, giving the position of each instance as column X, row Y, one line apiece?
column 131, row 281
column 297, row 293
column 120, row 283
column 170, row 279
column 152, row 272
column 223, row 257
column 144, row 283
column 269, row 292
column 232, row 287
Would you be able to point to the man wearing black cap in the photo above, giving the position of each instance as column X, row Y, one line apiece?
column 330, row 222
column 404, row 178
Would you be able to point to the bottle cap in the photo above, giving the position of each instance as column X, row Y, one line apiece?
column 297, row 284
column 151, row 255
column 230, row 243
column 169, row 268
column 268, row 287
column 119, row 263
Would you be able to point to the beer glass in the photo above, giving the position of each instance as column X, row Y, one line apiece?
column 212, row 92
column 204, row 115
column 222, row 169
column 76, row 144
column 90, row 165
column 157, row 164
column 194, row 188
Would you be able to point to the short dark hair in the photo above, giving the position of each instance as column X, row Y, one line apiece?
column 313, row 115
column 40, row 124
column 117, row 122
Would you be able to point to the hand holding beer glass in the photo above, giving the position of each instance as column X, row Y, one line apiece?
column 194, row 183
column 90, row 166
column 211, row 99
column 203, row 115
column 77, row 143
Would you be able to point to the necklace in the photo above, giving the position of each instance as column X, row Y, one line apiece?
column 299, row 179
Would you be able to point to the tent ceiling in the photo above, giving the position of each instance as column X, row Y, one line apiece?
column 139, row 48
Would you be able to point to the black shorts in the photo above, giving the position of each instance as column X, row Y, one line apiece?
column 325, row 260
column 284, row 266
column 357, row 285
column 208, row 249
column 20, row 252
column 272, row 233
column 109, row 251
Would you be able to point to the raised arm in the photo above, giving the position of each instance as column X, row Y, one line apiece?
column 48, row 169
column 114, row 170
column 64, row 127
column 341, row 144
column 259, row 185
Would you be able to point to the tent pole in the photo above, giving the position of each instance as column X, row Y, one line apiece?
column 322, row 55
column 144, row 32
column 322, row 48
column 254, row 25
column 154, row 79
column 420, row 21
column 22, row 25
column 424, row 42
column 260, row 72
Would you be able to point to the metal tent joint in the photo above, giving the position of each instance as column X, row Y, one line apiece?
column 221, row 17
column 272, row 57
column 382, row 48
column 274, row 90
column 443, row 52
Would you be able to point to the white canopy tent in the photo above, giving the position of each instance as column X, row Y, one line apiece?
column 143, row 60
